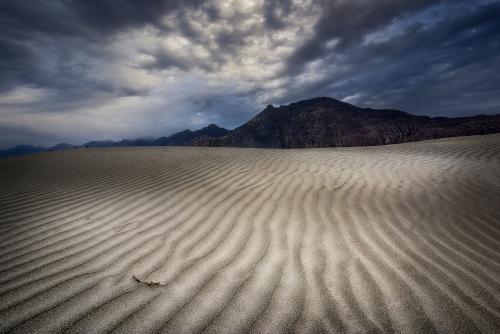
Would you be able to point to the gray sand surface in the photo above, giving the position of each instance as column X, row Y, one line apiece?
column 400, row 238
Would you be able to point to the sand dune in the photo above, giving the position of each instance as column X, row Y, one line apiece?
column 401, row 238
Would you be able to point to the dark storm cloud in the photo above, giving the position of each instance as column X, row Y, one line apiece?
column 226, row 111
column 163, row 59
column 20, row 135
column 66, row 26
column 17, row 63
column 91, row 19
column 424, row 67
column 212, row 13
column 275, row 11
column 350, row 22
column 447, row 61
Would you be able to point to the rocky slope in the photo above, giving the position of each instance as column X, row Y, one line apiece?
column 192, row 138
column 326, row 122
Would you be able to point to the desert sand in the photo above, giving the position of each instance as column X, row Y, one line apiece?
column 400, row 238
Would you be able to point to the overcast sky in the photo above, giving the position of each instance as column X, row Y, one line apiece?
column 80, row 70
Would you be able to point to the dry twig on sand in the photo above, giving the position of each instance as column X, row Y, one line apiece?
column 148, row 283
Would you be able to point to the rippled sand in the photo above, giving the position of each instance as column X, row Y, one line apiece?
column 400, row 238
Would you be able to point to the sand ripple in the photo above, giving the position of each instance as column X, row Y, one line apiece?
column 400, row 238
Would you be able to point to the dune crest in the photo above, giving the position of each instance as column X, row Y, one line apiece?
column 399, row 238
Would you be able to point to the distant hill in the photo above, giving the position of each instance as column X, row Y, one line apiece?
column 326, row 122
column 22, row 150
column 319, row 122
column 63, row 146
column 30, row 149
column 135, row 142
column 192, row 138
column 183, row 138
column 101, row 143
column 122, row 143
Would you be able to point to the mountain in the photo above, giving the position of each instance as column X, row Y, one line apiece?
column 326, row 122
column 319, row 122
column 30, row 149
column 135, row 142
column 192, row 138
column 122, row 143
column 22, row 150
column 101, row 143
column 63, row 146
column 201, row 137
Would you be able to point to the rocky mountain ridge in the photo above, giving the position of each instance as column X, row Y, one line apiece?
column 183, row 138
column 318, row 122
column 326, row 122
column 191, row 138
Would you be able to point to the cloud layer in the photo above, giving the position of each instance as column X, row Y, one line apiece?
column 79, row 70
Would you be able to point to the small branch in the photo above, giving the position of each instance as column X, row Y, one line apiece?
column 148, row 283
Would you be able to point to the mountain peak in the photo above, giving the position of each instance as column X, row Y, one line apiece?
column 212, row 126
column 327, row 122
column 188, row 137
